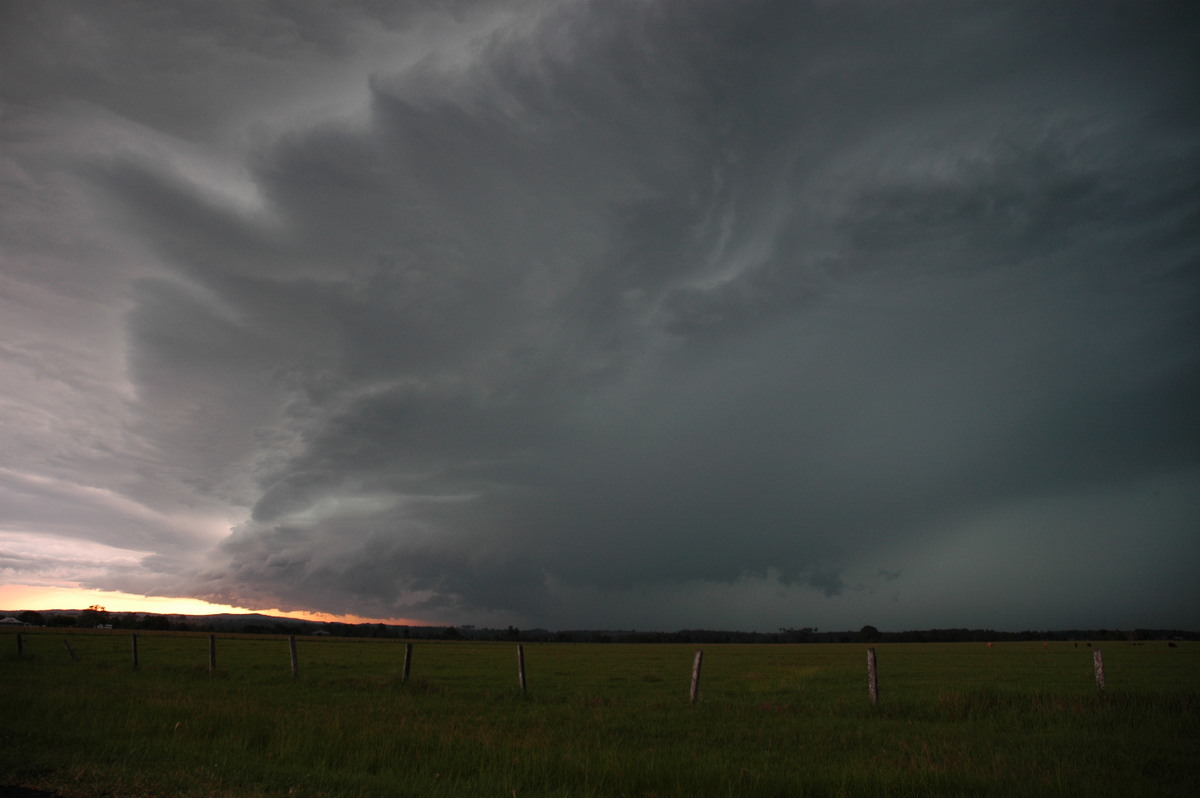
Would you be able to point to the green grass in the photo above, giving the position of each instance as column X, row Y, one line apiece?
column 598, row 720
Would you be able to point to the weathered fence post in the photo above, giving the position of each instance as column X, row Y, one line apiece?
column 521, row 666
column 696, row 675
column 70, row 650
column 133, row 648
column 212, row 653
column 407, row 663
column 1098, row 661
column 872, row 677
column 20, row 646
column 295, row 659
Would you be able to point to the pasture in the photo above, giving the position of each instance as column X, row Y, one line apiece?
column 597, row 719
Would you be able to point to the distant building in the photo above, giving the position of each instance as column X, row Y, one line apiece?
column 10, row 621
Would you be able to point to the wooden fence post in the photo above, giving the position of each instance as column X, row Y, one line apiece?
column 212, row 653
column 133, row 648
column 407, row 663
column 295, row 659
column 521, row 666
column 1098, row 661
column 70, row 650
column 872, row 677
column 696, row 675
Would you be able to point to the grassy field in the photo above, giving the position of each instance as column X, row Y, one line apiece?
column 598, row 720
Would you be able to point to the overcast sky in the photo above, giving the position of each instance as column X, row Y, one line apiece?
column 606, row 315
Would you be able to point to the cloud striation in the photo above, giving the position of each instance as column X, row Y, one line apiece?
column 619, row 314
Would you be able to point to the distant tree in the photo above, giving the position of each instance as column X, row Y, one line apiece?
column 94, row 615
column 801, row 635
column 32, row 618
column 869, row 634
column 155, row 622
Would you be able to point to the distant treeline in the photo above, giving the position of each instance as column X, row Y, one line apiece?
column 262, row 624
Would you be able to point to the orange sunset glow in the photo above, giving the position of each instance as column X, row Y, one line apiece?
column 17, row 598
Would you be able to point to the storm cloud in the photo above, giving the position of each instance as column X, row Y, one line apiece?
column 608, row 314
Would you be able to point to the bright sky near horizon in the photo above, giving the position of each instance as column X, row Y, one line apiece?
column 16, row 598
column 623, row 314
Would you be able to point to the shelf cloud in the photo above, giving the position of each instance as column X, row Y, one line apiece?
column 621, row 314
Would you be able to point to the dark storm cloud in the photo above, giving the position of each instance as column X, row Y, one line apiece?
column 625, row 314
